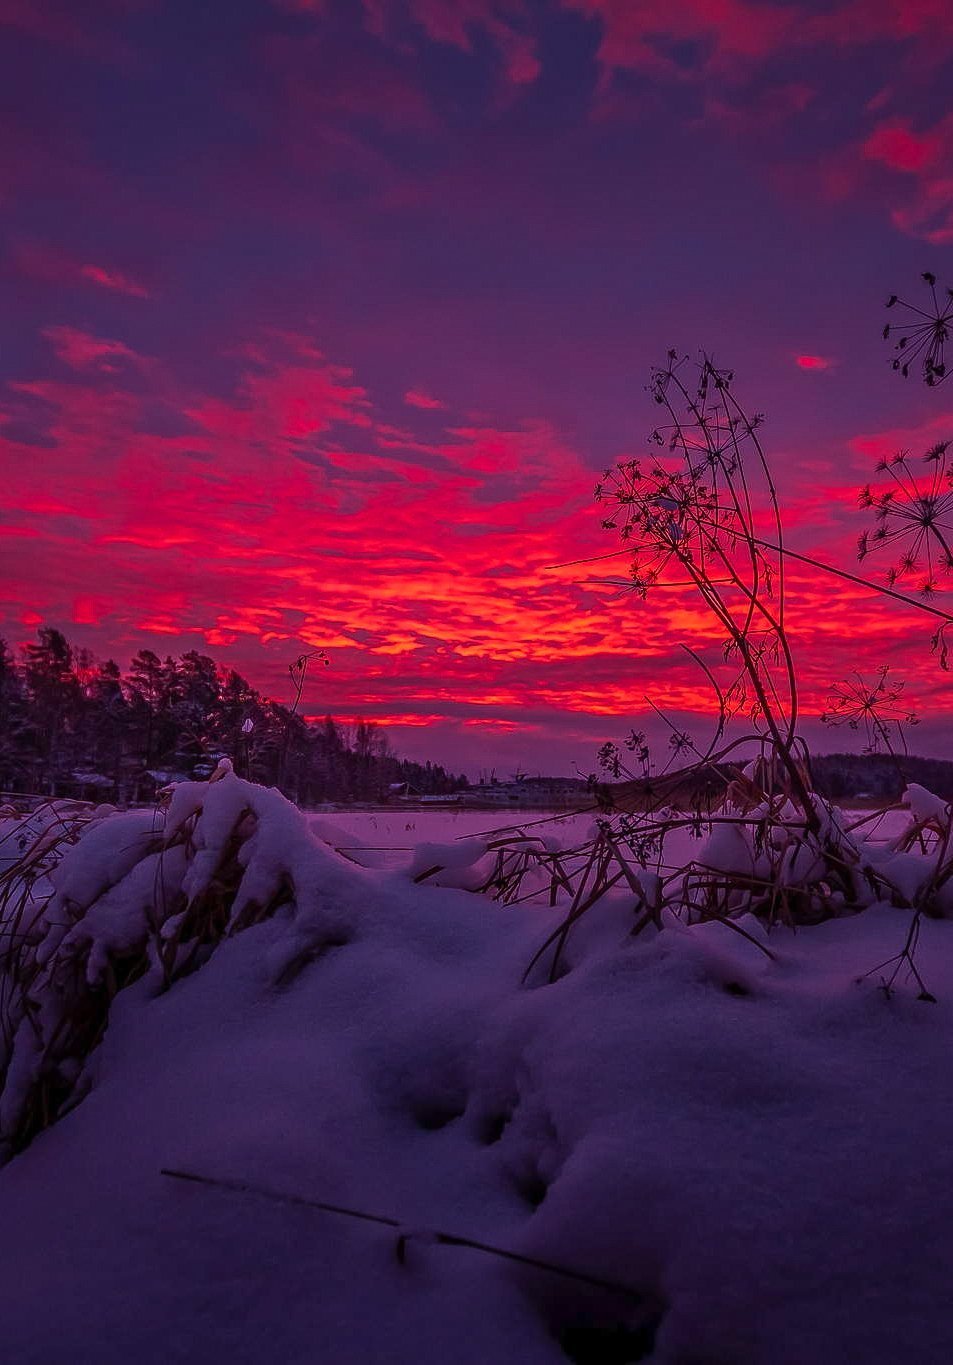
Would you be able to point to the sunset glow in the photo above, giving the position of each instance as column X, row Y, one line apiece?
column 321, row 322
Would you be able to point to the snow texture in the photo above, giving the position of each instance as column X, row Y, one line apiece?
column 753, row 1147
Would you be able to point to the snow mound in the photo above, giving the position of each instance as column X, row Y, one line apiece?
column 144, row 894
column 702, row 1144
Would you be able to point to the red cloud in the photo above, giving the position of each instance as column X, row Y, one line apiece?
column 926, row 159
column 415, row 399
column 115, row 280
column 868, row 21
column 87, row 611
column 293, row 401
column 226, row 536
column 813, row 362
column 897, row 146
column 82, row 351
column 639, row 34
column 754, row 113
column 57, row 267
column 930, row 214
column 636, row 33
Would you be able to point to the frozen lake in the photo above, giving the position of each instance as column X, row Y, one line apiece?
column 393, row 834
column 391, row 825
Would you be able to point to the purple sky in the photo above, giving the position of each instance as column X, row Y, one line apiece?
column 319, row 320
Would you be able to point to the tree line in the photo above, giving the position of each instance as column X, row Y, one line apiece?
column 880, row 777
column 73, row 725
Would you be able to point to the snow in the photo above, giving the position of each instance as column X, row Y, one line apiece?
column 453, row 864
column 924, row 806
column 753, row 1143
column 402, row 829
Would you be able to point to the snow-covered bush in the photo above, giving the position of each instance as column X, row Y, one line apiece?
column 94, row 901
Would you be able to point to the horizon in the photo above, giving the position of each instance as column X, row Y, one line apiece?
column 322, row 323
column 511, row 755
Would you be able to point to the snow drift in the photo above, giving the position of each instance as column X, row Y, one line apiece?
column 748, row 1147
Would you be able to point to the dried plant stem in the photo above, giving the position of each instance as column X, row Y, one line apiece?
column 451, row 1239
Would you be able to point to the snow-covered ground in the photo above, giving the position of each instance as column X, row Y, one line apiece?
column 394, row 829
column 755, row 1151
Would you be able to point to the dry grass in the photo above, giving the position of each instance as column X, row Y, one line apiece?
column 57, row 985
column 798, row 872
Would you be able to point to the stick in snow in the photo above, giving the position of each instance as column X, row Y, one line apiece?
column 404, row 1234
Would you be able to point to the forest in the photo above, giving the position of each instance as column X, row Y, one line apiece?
column 74, row 726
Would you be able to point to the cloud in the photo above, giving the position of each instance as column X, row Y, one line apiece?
column 924, row 160
column 750, row 111
column 54, row 266
column 216, row 532
column 640, row 35
column 114, row 280
column 415, row 398
column 705, row 36
column 895, row 144
column 83, row 351
column 855, row 22
column 455, row 22
column 872, row 446
column 93, row 28
column 292, row 395
column 251, row 548
column 208, row 481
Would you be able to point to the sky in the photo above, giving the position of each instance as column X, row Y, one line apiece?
column 320, row 319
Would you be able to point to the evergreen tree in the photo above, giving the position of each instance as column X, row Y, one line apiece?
column 54, row 694
column 15, row 728
column 71, row 726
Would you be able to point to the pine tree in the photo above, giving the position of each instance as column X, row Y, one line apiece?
column 55, row 701
column 15, row 728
